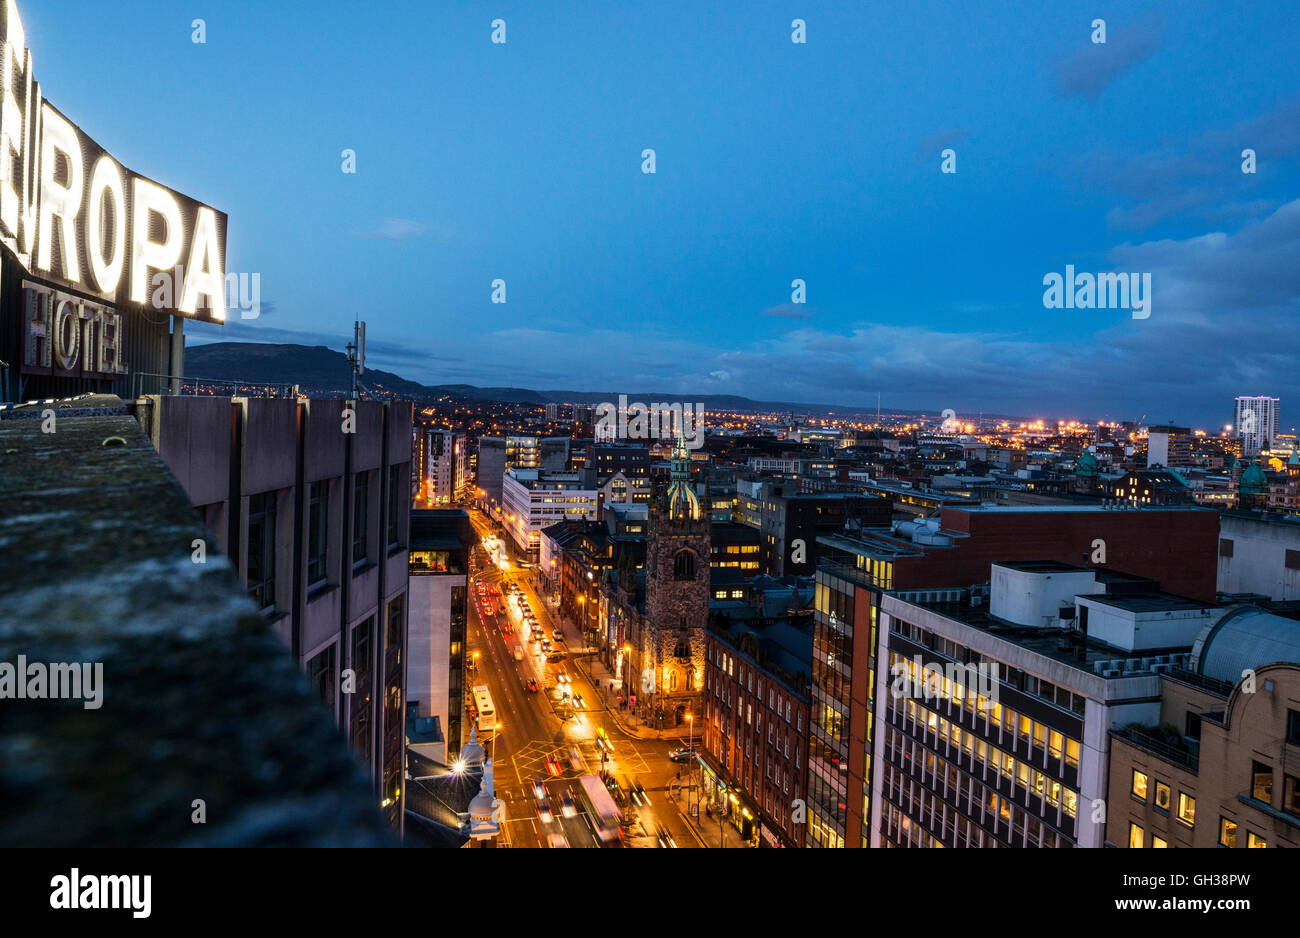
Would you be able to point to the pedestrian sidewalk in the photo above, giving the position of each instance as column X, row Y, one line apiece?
column 706, row 828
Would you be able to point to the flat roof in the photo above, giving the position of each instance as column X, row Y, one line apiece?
column 1073, row 508
column 1151, row 602
column 1042, row 566
column 1041, row 640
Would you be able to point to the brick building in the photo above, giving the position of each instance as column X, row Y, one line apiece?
column 1174, row 546
column 756, row 707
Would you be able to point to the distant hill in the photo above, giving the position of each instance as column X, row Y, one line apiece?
column 319, row 369
column 314, row 367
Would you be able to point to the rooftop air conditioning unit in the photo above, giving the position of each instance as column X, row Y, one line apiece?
column 1110, row 673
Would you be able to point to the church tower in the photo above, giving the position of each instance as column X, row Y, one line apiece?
column 677, row 598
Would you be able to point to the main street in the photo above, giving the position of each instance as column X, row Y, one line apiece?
column 537, row 726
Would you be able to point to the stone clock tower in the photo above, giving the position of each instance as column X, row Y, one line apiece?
column 677, row 599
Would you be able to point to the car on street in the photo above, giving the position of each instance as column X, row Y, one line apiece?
column 557, row 635
column 578, row 702
column 544, row 812
column 562, row 676
column 575, row 759
column 546, row 644
column 555, row 656
column 684, row 754
column 557, row 840
column 638, row 793
column 539, row 790
column 567, row 807
column 663, row 838
column 531, row 684
column 553, row 765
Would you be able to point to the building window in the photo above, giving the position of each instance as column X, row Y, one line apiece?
column 1261, row 782
column 363, row 649
column 1291, row 795
column 261, row 550
column 1186, row 809
column 1227, row 832
column 1159, row 843
column 396, row 613
column 317, row 530
column 682, row 650
column 1225, row 547
column 1254, row 840
column 1135, row 836
column 684, row 565
column 1293, row 727
column 320, row 674
column 1162, row 796
column 360, row 520
column 1293, row 559
column 1139, row 789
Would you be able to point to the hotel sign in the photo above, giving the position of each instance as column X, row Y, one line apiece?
column 76, row 218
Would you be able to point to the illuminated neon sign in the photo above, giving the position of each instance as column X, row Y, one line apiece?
column 73, row 215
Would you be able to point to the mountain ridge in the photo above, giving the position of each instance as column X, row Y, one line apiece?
column 322, row 369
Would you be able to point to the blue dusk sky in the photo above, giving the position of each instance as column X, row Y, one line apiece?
column 775, row 161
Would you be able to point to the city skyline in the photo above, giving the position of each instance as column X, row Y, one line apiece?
column 522, row 162
column 670, row 425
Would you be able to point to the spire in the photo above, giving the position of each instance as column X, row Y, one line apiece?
column 682, row 500
column 483, row 808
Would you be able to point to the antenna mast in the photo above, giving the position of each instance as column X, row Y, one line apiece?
column 357, row 356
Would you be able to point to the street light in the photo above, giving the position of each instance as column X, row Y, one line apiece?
column 690, row 779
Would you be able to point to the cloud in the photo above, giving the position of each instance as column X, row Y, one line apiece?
column 1223, row 320
column 404, row 229
column 1089, row 70
column 1197, row 178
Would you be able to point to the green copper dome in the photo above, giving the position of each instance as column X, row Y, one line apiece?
column 1086, row 467
column 1253, row 481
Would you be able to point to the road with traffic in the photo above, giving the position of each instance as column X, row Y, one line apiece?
column 547, row 738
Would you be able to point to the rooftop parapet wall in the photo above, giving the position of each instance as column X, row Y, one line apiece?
column 198, row 700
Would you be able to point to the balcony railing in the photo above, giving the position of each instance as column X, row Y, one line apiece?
column 1181, row 756
column 143, row 382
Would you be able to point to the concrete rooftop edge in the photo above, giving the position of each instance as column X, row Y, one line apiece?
column 198, row 700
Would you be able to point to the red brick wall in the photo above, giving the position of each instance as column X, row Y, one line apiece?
column 1177, row 548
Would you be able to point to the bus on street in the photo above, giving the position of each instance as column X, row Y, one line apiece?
column 484, row 710
column 602, row 811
